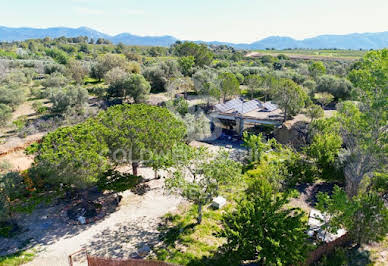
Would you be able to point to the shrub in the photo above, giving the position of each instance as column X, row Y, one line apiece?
column 5, row 114
column 70, row 97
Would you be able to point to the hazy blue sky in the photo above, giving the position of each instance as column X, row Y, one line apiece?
column 222, row 20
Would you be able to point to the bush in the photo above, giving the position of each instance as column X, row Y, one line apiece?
column 55, row 80
column 5, row 114
column 160, row 74
column 52, row 68
column 70, row 97
column 12, row 95
column 340, row 88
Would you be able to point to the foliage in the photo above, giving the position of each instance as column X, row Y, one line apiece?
column 363, row 125
column 263, row 229
column 116, row 181
column 256, row 146
column 186, row 63
column 323, row 98
column 52, row 68
column 203, row 56
column 124, row 85
column 290, row 97
column 134, row 132
column 198, row 176
column 110, row 61
column 254, row 82
column 68, row 98
column 17, row 259
column 198, row 126
column 12, row 95
column 55, row 80
column 205, row 84
column 159, row 75
column 12, row 187
column 340, row 88
column 73, row 156
column 317, row 68
column 364, row 216
column 5, row 114
column 324, row 150
column 314, row 112
column 179, row 105
column 59, row 56
column 229, row 85
column 77, row 70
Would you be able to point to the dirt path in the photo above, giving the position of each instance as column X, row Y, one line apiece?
column 118, row 235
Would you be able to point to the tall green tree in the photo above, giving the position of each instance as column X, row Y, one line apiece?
column 365, row 216
column 137, row 131
column 186, row 63
column 203, row 56
column 364, row 125
column 317, row 68
column 254, row 82
column 290, row 97
column 73, row 156
column 324, row 150
column 263, row 229
column 229, row 85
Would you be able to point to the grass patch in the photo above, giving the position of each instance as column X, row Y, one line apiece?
column 184, row 242
column 18, row 258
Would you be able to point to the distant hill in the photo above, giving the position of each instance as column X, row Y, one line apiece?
column 349, row 41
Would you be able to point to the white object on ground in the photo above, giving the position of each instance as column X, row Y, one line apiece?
column 82, row 220
column 219, row 202
column 316, row 220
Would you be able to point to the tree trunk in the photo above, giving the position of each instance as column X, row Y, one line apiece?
column 285, row 115
column 199, row 218
column 156, row 174
column 135, row 165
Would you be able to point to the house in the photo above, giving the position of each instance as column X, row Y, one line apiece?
column 238, row 114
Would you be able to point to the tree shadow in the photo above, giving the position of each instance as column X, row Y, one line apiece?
column 46, row 225
column 309, row 192
column 123, row 240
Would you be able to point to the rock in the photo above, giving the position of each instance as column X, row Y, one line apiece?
column 144, row 251
column 218, row 202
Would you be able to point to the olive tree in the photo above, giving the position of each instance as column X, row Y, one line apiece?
column 5, row 114
column 77, row 70
column 68, row 98
column 199, row 175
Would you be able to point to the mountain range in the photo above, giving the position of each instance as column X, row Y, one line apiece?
column 354, row 41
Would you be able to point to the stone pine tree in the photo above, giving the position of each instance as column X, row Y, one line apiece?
column 137, row 131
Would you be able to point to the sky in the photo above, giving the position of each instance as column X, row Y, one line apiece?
column 238, row 21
